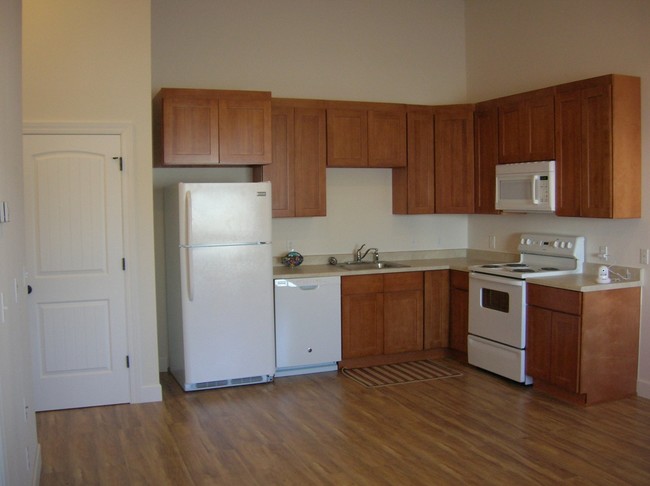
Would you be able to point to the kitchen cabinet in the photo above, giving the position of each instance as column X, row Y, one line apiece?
column 526, row 126
column 439, row 177
column 362, row 315
column 382, row 314
column 486, row 157
column 297, row 171
column 201, row 127
column 436, row 309
column 583, row 347
column 458, row 311
column 598, row 139
column 366, row 135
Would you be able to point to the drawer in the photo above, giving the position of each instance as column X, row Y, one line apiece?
column 396, row 282
column 362, row 284
column 567, row 301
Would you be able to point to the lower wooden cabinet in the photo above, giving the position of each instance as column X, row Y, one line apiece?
column 458, row 310
column 394, row 313
column 583, row 347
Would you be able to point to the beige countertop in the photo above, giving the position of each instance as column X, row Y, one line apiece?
column 461, row 260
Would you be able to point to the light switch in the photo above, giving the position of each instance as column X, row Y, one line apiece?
column 4, row 212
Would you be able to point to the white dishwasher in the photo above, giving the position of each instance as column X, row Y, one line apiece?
column 307, row 325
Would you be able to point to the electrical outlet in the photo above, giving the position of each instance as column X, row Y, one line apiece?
column 492, row 242
column 603, row 252
column 644, row 256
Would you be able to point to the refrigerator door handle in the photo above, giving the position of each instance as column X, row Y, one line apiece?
column 188, row 249
column 189, row 274
column 188, row 218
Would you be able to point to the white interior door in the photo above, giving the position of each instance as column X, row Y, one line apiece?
column 77, row 305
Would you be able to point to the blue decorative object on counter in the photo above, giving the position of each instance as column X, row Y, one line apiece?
column 292, row 259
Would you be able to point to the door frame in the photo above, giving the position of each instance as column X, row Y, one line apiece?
column 126, row 132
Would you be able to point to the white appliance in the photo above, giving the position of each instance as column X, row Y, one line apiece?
column 526, row 187
column 307, row 325
column 497, row 301
column 219, row 284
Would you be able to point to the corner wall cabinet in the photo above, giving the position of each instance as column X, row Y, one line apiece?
column 366, row 135
column 583, row 347
column 201, row 127
column 439, row 177
column 598, row 139
column 297, row 173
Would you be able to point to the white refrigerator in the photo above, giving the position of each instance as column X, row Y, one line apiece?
column 219, row 284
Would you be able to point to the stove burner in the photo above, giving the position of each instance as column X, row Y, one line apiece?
column 516, row 265
column 549, row 269
column 490, row 266
column 523, row 270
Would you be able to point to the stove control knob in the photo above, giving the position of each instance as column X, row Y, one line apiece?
column 528, row 241
column 569, row 245
column 556, row 244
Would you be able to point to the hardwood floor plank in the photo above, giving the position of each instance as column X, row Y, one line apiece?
column 327, row 429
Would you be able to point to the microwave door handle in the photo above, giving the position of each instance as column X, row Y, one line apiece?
column 535, row 189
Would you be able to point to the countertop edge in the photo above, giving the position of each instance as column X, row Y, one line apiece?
column 585, row 282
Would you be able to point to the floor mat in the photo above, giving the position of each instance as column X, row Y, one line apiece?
column 399, row 373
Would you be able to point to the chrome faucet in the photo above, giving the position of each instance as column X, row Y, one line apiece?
column 360, row 257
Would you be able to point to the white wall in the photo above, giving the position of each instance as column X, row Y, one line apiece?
column 366, row 50
column 518, row 45
column 89, row 61
column 17, row 425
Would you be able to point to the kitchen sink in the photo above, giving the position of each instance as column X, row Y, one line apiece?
column 370, row 265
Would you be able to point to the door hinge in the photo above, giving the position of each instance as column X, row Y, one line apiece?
column 128, row 363
column 124, row 264
column 121, row 162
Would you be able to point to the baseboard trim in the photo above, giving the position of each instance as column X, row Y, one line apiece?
column 643, row 388
column 151, row 393
column 38, row 465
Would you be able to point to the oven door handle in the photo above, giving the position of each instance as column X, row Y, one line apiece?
column 500, row 280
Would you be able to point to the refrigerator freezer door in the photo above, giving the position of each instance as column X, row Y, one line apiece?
column 228, row 327
column 224, row 213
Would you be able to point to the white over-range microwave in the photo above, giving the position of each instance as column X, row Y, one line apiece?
column 526, row 187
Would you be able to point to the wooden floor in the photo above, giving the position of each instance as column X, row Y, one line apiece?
column 327, row 429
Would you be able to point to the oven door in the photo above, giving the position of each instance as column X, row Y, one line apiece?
column 497, row 309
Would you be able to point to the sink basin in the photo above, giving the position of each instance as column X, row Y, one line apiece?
column 370, row 265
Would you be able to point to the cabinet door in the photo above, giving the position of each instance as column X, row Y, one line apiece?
column 190, row 131
column 454, row 161
column 281, row 171
column 310, row 162
column 565, row 351
column 362, row 316
column 538, row 342
column 458, row 319
column 387, row 138
column 539, row 126
column 403, row 312
column 347, row 138
column 436, row 309
column 568, row 133
column 596, row 175
column 510, row 129
column 244, row 131
column 413, row 187
column 485, row 159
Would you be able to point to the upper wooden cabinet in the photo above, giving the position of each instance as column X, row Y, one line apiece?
column 211, row 127
column 486, row 127
column 366, row 135
column 526, row 127
column 598, row 139
column 297, row 172
column 439, row 177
